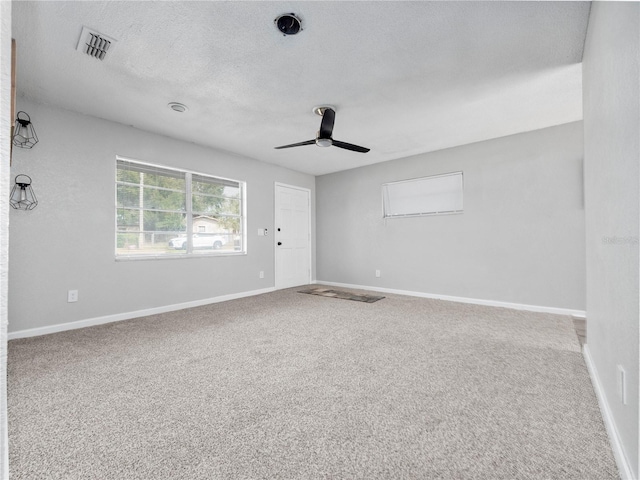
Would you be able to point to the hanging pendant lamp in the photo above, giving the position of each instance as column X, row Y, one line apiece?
column 22, row 196
column 24, row 135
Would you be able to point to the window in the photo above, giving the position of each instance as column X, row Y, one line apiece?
column 166, row 212
column 435, row 195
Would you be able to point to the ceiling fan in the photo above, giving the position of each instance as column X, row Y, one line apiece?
column 323, row 137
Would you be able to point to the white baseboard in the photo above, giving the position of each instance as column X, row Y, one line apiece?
column 626, row 472
column 61, row 327
column 475, row 301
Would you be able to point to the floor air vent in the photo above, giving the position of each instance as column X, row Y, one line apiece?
column 94, row 44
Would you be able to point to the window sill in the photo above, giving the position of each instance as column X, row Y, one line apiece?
column 131, row 258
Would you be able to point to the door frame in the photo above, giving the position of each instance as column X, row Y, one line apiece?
column 275, row 227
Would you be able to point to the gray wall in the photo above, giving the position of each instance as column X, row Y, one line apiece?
column 612, row 182
column 520, row 238
column 67, row 242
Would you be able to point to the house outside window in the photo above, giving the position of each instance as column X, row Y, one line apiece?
column 168, row 212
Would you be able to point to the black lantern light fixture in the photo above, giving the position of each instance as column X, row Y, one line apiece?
column 24, row 135
column 22, row 196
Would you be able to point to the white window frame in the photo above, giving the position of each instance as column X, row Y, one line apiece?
column 190, row 251
column 418, row 204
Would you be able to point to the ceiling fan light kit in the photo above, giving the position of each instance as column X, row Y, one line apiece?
column 324, row 136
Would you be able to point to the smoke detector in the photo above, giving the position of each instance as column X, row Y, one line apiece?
column 94, row 44
column 288, row 24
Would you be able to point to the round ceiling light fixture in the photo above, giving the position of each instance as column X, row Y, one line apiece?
column 177, row 107
column 288, row 24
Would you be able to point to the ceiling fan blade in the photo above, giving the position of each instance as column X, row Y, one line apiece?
column 306, row 142
column 326, row 126
column 350, row 146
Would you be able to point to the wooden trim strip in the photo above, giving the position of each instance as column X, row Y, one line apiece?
column 13, row 97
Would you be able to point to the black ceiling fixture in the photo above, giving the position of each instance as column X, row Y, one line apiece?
column 323, row 137
column 288, row 24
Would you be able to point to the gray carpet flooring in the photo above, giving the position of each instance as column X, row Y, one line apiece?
column 292, row 386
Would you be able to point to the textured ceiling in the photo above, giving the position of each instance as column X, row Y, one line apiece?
column 405, row 77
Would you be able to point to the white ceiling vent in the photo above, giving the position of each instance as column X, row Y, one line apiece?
column 94, row 44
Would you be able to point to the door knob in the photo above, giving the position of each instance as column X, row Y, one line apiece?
column 279, row 243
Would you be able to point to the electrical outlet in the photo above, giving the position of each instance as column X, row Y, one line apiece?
column 622, row 384
column 72, row 296
column 377, row 273
column 261, row 274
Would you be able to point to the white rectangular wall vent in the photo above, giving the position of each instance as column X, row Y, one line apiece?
column 94, row 44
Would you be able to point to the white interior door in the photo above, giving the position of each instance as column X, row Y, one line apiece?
column 292, row 236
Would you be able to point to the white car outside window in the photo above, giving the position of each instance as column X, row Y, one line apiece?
column 199, row 241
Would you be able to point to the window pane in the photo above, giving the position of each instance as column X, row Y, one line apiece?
column 217, row 233
column 127, row 176
column 164, row 221
column 128, row 241
column 165, row 179
column 207, row 188
column 207, row 205
column 216, row 205
column 177, row 241
column 232, row 206
column 230, row 224
column 232, row 192
column 128, row 196
column 164, row 199
column 211, row 185
column 147, row 243
column 128, row 218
